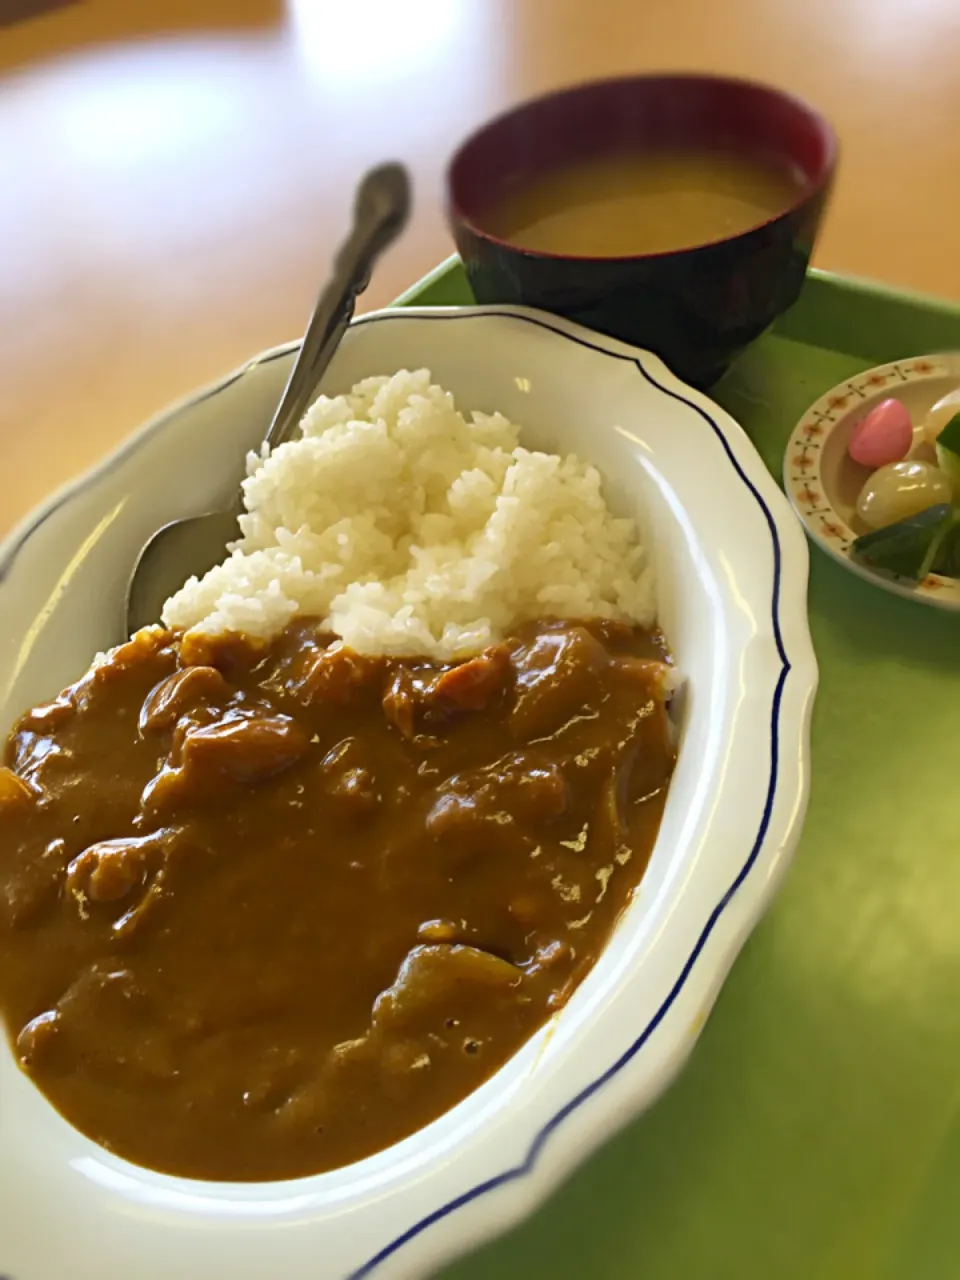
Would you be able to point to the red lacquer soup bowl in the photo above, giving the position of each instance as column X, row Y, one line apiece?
column 695, row 307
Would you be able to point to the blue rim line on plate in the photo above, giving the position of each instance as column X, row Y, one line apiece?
column 541, row 1138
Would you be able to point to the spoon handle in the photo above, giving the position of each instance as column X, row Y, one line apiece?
column 380, row 212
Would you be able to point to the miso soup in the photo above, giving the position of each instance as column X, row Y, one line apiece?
column 648, row 202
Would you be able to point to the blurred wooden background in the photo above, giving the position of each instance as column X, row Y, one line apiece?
column 175, row 173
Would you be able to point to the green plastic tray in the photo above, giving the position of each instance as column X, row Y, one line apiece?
column 815, row 1133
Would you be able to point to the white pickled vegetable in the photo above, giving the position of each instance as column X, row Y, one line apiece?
column 900, row 490
column 948, row 451
column 941, row 413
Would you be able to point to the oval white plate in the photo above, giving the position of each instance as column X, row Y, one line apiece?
column 823, row 482
column 732, row 566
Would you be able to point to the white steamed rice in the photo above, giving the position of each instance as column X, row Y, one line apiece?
column 412, row 530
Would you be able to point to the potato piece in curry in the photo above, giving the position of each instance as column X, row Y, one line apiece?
column 265, row 911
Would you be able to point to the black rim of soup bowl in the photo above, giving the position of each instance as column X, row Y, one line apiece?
column 696, row 307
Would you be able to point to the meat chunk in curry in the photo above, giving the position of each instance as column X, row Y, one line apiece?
column 266, row 910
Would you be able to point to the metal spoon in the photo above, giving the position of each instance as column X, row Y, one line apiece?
column 196, row 544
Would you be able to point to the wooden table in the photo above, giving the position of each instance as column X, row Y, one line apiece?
column 175, row 173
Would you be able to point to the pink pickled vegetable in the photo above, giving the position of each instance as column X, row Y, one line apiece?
column 883, row 436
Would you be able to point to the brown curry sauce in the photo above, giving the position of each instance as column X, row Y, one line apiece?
column 264, row 912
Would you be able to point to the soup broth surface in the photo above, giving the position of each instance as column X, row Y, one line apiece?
column 652, row 202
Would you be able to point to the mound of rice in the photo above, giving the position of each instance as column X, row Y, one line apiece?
column 411, row 530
